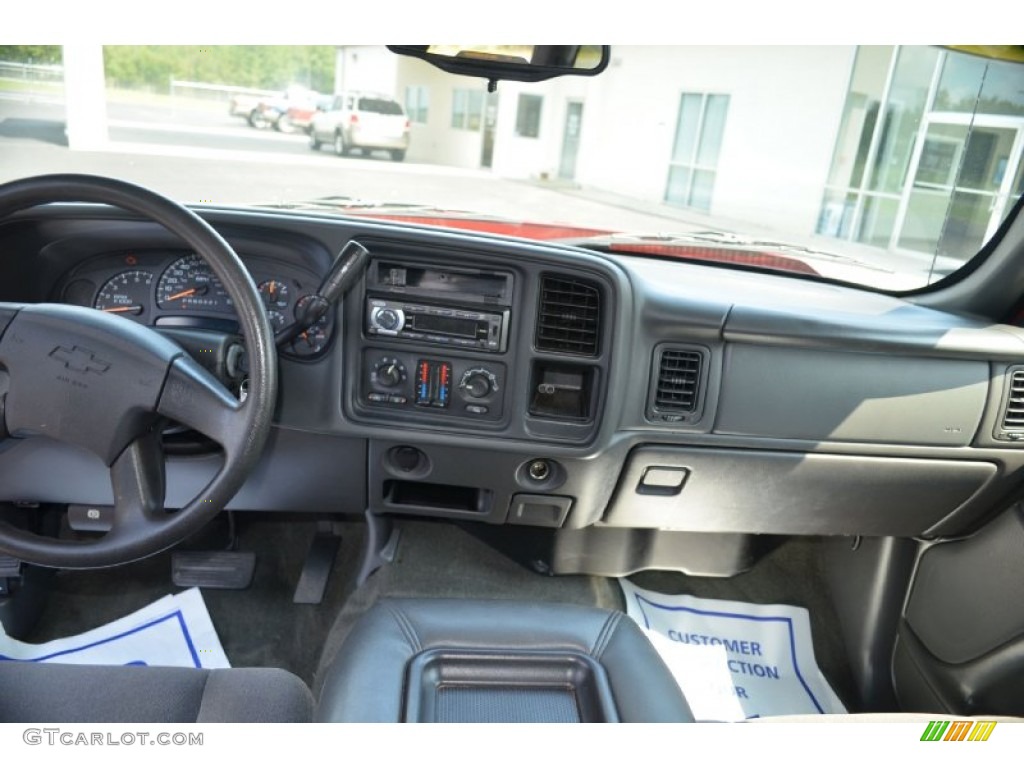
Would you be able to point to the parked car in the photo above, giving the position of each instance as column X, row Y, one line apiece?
column 362, row 122
column 279, row 112
column 738, row 323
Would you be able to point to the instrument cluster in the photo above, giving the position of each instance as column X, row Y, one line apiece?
column 177, row 288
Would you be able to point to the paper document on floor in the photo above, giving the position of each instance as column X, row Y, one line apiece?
column 733, row 660
column 174, row 631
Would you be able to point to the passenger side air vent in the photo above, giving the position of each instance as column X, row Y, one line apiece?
column 676, row 384
column 568, row 316
column 1011, row 427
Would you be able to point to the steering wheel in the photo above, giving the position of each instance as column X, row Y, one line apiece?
column 105, row 384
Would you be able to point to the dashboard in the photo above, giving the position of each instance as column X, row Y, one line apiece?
column 601, row 413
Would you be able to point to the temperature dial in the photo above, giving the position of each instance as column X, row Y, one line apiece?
column 478, row 383
column 389, row 372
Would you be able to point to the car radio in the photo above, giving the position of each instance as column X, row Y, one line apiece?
column 393, row 308
column 440, row 325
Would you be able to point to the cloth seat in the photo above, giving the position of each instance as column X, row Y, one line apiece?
column 67, row 693
column 449, row 660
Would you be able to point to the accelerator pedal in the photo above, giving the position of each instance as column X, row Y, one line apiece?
column 213, row 570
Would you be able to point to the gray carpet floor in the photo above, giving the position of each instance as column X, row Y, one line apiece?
column 259, row 626
column 262, row 627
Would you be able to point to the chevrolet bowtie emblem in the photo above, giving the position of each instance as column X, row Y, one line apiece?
column 80, row 359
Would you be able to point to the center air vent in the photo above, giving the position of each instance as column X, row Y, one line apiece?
column 676, row 384
column 1012, row 424
column 568, row 316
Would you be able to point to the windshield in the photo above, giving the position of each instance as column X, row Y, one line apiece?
column 883, row 166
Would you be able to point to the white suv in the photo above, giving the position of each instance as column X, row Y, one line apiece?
column 363, row 121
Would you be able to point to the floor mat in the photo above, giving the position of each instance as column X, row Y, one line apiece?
column 735, row 660
column 791, row 574
column 174, row 631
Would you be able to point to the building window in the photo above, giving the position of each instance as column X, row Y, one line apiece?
column 698, row 141
column 927, row 153
column 417, row 103
column 528, row 115
column 467, row 109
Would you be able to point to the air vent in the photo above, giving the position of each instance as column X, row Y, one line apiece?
column 1012, row 425
column 569, row 316
column 677, row 384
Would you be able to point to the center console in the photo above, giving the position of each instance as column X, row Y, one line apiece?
column 481, row 376
column 436, row 339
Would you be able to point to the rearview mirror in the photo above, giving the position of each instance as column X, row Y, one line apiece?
column 526, row 63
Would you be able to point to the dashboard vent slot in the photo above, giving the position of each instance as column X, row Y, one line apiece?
column 1013, row 417
column 569, row 316
column 678, row 381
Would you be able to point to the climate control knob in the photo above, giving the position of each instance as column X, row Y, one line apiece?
column 389, row 372
column 477, row 383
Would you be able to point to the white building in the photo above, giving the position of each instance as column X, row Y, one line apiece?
column 859, row 143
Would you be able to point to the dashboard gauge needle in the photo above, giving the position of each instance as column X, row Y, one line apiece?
column 135, row 310
column 181, row 294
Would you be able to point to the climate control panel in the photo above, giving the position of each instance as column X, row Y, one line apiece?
column 436, row 385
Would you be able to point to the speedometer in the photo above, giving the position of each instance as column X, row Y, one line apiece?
column 189, row 283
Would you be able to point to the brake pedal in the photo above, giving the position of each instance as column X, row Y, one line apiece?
column 214, row 570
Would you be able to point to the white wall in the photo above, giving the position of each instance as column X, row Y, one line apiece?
column 436, row 141
column 520, row 157
column 779, row 137
column 780, row 131
column 365, row 68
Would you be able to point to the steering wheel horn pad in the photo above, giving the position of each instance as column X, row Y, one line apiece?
column 83, row 377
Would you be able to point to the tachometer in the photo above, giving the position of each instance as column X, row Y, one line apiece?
column 128, row 293
column 189, row 283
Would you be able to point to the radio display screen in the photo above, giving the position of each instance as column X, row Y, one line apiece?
column 449, row 326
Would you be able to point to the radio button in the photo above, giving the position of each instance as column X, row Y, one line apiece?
column 388, row 319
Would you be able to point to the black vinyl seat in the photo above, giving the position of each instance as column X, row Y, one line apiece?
column 440, row 660
column 66, row 693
